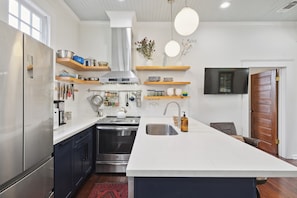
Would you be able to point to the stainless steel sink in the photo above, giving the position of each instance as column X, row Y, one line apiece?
column 160, row 129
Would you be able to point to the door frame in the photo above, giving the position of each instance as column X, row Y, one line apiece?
column 281, row 65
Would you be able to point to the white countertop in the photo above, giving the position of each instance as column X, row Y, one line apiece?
column 73, row 127
column 201, row 152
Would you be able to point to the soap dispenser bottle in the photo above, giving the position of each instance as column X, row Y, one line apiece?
column 184, row 123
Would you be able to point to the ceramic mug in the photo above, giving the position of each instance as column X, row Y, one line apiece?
column 178, row 92
column 170, row 91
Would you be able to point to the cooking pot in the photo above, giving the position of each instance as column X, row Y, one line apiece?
column 64, row 54
column 90, row 62
column 78, row 59
column 121, row 113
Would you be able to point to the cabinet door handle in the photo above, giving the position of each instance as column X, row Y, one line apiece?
column 86, row 152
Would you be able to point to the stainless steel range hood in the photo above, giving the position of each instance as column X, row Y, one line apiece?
column 121, row 62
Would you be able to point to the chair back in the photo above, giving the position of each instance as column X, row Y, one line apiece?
column 225, row 127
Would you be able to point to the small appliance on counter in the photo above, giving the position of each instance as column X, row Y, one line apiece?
column 59, row 104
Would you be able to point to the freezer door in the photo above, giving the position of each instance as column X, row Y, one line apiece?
column 38, row 101
column 11, row 103
column 39, row 183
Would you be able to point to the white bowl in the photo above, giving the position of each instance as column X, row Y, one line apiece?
column 170, row 91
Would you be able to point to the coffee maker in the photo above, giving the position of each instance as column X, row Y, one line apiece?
column 59, row 105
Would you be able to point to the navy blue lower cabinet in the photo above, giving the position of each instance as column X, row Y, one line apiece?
column 73, row 163
column 82, row 156
column 88, row 152
column 156, row 187
column 63, row 169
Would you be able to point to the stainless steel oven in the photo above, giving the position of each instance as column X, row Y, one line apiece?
column 114, row 142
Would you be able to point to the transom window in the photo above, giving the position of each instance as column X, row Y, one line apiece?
column 26, row 17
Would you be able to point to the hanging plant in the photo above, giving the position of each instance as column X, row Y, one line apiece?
column 146, row 48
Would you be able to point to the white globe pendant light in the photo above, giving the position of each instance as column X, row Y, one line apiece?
column 186, row 21
column 172, row 48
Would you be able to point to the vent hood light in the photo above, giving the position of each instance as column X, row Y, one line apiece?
column 287, row 7
column 120, row 77
column 225, row 4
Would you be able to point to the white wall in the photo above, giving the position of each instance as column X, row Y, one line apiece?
column 4, row 10
column 221, row 45
column 64, row 25
column 218, row 45
column 95, row 42
column 229, row 45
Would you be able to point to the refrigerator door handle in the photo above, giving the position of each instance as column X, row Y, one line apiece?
column 30, row 66
column 51, row 194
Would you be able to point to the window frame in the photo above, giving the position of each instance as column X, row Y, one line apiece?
column 44, row 19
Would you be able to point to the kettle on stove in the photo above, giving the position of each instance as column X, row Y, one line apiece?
column 121, row 113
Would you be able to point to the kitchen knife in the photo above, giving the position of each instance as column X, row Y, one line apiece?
column 72, row 89
column 66, row 92
column 59, row 91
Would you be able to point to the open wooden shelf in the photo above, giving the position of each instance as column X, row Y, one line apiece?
column 164, row 97
column 166, row 83
column 78, row 81
column 162, row 68
column 79, row 67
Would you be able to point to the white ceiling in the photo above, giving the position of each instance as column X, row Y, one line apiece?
column 208, row 10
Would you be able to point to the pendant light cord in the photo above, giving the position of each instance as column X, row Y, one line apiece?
column 171, row 24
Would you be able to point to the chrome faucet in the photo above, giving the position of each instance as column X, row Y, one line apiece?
column 179, row 117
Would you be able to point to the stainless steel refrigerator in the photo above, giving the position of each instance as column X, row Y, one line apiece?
column 26, row 130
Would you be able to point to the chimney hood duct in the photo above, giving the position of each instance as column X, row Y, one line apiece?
column 121, row 61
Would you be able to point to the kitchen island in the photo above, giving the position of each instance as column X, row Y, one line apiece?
column 200, row 163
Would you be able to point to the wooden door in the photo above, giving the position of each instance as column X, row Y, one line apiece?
column 264, row 110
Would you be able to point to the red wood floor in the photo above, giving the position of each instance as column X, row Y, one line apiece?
column 273, row 188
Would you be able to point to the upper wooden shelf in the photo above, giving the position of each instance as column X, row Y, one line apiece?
column 166, row 83
column 79, row 67
column 162, row 68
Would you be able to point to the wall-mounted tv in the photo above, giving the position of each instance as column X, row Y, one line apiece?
column 226, row 80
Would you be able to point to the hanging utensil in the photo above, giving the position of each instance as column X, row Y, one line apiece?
column 58, row 88
column 72, row 90
column 131, row 97
column 127, row 100
column 96, row 101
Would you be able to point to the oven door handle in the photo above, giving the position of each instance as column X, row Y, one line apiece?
column 118, row 128
column 112, row 163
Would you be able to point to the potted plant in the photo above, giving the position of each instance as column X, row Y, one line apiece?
column 146, row 48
